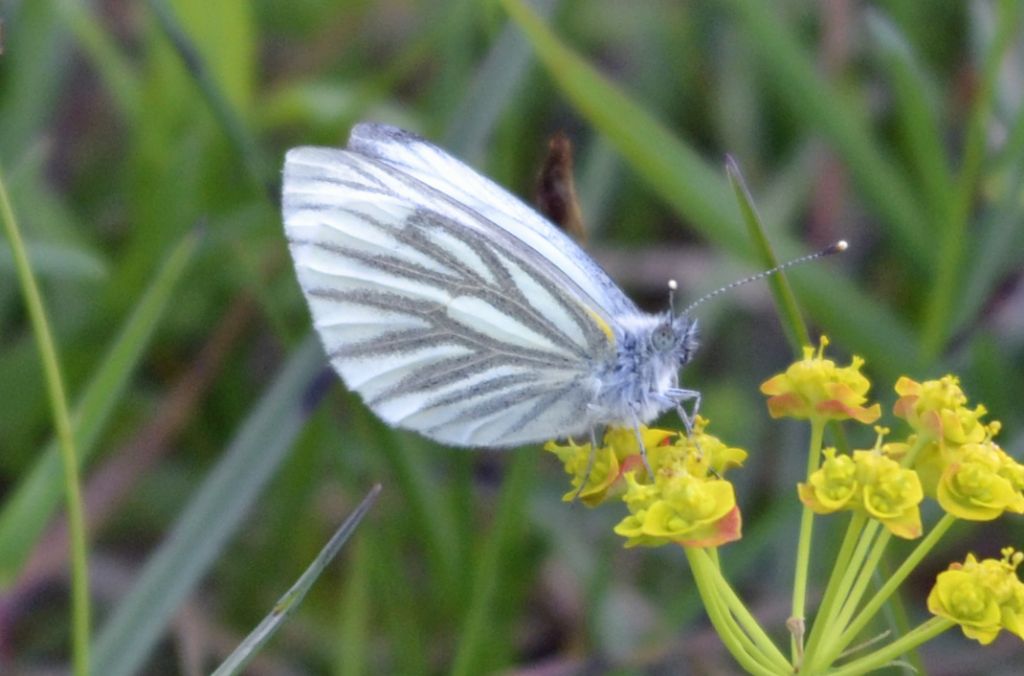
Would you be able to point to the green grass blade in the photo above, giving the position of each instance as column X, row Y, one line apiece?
column 212, row 516
column 111, row 65
column 915, row 104
column 785, row 303
column 795, row 78
column 494, row 86
column 355, row 616
column 433, row 515
column 674, row 169
column 998, row 230
column 35, row 49
column 27, row 511
column 287, row 604
column 954, row 244
column 487, row 574
column 80, row 614
column 253, row 159
column 57, row 261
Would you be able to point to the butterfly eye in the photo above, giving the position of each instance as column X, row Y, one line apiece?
column 663, row 339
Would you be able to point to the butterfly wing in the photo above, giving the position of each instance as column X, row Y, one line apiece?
column 417, row 157
column 445, row 322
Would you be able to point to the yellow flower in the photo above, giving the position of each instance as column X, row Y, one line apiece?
column 623, row 441
column 981, row 484
column 938, row 409
column 867, row 481
column 619, row 453
column 962, row 598
column 815, row 388
column 680, row 508
column 983, row 597
column 604, row 470
column 833, row 486
column 639, row 497
column 699, row 454
column 685, row 501
column 892, row 494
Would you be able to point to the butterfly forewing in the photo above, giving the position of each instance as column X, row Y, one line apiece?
column 416, row 157
column 442, row 314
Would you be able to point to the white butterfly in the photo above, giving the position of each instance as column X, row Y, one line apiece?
column 457, row 311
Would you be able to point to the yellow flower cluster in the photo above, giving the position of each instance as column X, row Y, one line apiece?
column 983, row 597
column 868, row 481
column 815, row 388
column 959, row 463
column 685, row 500
column 950, row 456
column 937, row 410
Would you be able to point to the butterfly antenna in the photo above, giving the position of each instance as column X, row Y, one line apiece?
column 672, row 286
column 838, row 247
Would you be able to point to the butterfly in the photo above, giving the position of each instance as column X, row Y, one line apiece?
column 457, row 311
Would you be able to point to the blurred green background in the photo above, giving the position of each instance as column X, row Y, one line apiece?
column 141, row 144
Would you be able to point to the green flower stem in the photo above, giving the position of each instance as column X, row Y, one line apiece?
column 830, row 623
column 921, row 634
column 62, row 422
column 890, row 586
column 827, row 610
column 747, row 621
column 740, row 646
column 863, row 579
column 803, row 551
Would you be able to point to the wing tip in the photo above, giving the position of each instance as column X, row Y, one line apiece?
column 365, row 134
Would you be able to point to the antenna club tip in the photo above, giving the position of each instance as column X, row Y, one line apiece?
column 673, row 285
column 838, row 247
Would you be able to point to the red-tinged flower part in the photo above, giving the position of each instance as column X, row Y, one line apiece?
column 727, row 529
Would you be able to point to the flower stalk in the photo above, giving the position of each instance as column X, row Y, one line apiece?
column 803, row 551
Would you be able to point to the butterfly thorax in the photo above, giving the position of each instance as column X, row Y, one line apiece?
column 637, row 383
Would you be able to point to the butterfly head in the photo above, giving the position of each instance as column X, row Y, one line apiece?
column 675, row 337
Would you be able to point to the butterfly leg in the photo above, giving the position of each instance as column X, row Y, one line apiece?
column 688, row 417
column 643, row 449
column 590, row 465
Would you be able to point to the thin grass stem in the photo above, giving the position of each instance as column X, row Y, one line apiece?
column 80, row 613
